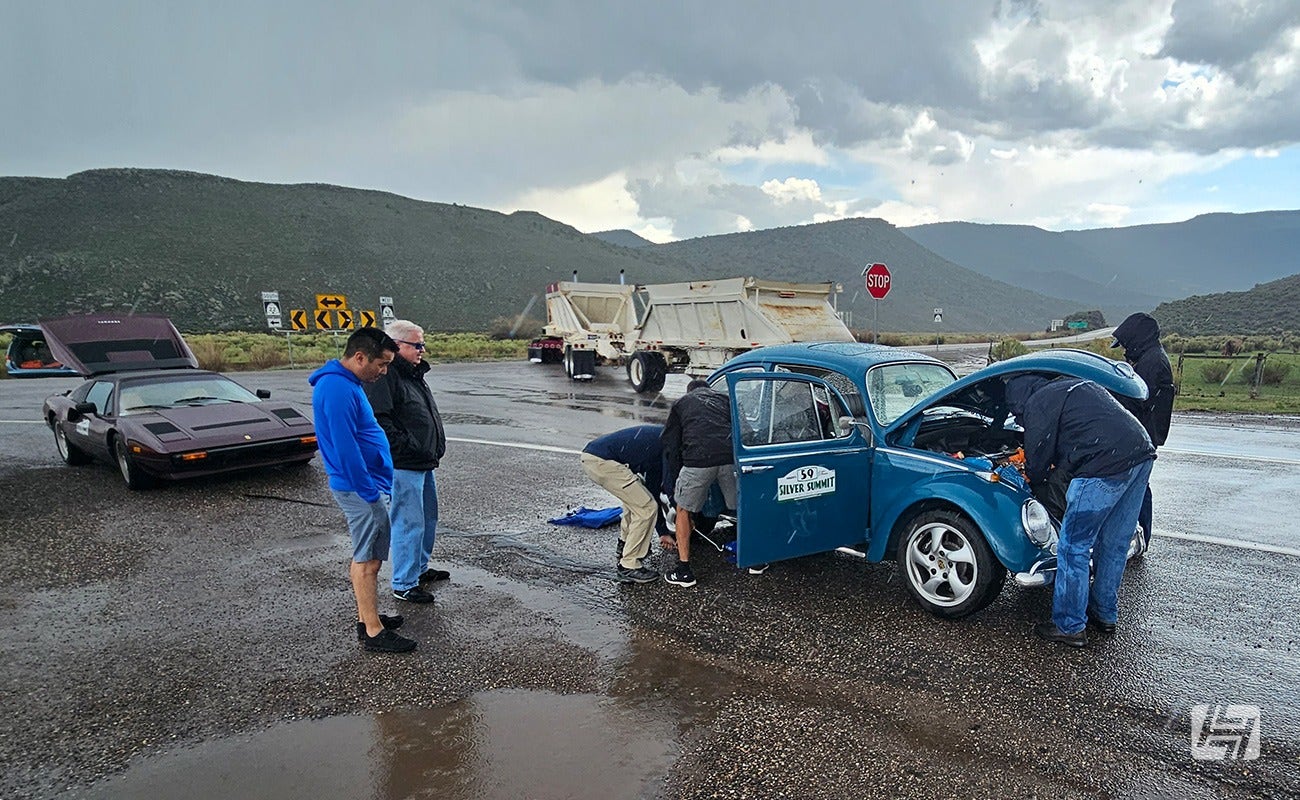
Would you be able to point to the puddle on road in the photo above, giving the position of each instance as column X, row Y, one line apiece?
column 498, row 744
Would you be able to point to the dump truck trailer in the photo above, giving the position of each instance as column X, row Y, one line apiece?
column 587, row 324
column 696, row 327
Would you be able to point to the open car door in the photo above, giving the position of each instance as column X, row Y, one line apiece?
column 803, row 471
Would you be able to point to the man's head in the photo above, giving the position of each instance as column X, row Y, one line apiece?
column 368, row 353
column 697, row 384
column 409, row 338
column 1137, row 334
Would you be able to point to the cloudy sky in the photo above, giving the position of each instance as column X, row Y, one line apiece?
column 682, row 119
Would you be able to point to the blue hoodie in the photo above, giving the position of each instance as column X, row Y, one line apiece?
column 352, row 446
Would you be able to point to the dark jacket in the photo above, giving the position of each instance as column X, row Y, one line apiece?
column 1139, row 335
column 405, row 409
column 1077, row 426
column 639, row 447
column 698, row 432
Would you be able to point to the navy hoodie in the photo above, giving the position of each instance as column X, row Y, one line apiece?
column 353, row 447
column 1077, row 426
column 1139, row 335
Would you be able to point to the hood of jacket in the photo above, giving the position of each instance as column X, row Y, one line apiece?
column 1019, row 390
column 1137, row 334
column 333, row 367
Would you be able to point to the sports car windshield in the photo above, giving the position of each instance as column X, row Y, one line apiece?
column 893, row 389
column 142, row 397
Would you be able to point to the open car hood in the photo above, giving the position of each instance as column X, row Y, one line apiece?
column 975, row 392
column 99, row 344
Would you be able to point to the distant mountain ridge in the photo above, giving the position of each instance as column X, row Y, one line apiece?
column 1268, row 308
column 622, row 238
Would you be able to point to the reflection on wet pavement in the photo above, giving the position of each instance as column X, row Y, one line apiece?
column 497, row 744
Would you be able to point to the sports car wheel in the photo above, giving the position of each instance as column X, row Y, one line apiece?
column 947, row 566
column 135, row 479
column 69, row 452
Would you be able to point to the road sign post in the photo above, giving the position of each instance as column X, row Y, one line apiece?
column 878, row 284
column 938, row 318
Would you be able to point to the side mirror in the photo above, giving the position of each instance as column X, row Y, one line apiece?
column 82, row 409
column 263, row 394
column 848, row 423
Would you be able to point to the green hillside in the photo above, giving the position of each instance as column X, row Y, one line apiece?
column 201, row 249
column 838, row 251
column 1269, row 308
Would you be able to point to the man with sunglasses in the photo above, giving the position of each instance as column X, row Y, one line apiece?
column 405, row 409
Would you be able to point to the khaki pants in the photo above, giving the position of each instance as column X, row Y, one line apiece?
column 640, row 511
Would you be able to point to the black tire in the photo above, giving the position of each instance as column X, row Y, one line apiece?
column 132, row 475
column 667, row 522
column 71, row 454
column 568, row 362
column 948, row 586
column 646, row 372
column 584, row 365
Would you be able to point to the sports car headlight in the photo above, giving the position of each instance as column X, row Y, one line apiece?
column 1037, row 522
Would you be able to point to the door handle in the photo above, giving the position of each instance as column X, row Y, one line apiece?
column 747, row 469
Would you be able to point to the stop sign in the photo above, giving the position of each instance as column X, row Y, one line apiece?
column 877, row 281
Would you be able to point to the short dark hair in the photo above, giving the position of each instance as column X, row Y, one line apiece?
column 698, row 383
column 370, row 341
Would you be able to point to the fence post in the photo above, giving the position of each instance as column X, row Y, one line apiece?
column 1258, row 376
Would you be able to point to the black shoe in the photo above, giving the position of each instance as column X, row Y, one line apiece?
column 681, row 576
column 413, row 595
column 388, row 642
column 758, row 569
column 432, row 574
column 390, row 623
column 1049, row 631
column 620, row 549
column 641, row 574
column 1101, row 624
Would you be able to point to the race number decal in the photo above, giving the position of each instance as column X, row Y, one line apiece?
column 805, row 482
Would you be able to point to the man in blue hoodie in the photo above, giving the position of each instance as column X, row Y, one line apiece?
column 356, row 456
column 1076, row 426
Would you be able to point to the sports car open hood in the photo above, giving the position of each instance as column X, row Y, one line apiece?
column 99, row 344
column 975, row 393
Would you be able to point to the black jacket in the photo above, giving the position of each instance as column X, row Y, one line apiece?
column 639, row 447
column 1077, row 426
column 698, row 431
column 1139, row 335
column 405, row 409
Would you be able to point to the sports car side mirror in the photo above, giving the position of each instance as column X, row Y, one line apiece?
column 81, row 410
column 264, row 394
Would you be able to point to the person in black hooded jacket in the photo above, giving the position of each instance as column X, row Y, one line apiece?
column 1139, row 335
column 1077, row 426
column 405, row 409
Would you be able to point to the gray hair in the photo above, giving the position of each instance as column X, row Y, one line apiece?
column 402, row 329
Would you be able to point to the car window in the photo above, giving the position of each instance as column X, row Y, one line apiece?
column 842, row 383
column 140, row 397
column 893, row 389
column 101, row 394
column 780, row 412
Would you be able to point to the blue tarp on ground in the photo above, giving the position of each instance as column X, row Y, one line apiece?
column 589, row 517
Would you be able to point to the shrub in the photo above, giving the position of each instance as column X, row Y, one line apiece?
column 267, row 355
column 1215, row 371
column 515, row 328
column 210, row 353
column 1274, row 373
column 1007, row 348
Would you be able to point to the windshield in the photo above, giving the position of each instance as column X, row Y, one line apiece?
column 138, row 398
column 893, row 389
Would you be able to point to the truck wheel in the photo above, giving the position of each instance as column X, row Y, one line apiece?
column 646, row 372
column 584, row 365
column 568, row 362
column 947, row 566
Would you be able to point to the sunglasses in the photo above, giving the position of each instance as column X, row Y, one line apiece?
column 419, row 346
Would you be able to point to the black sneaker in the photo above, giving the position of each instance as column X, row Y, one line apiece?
column 758, row 569
column 681, row 576
column 388, row 642
column 641, row 574
column 1049, row 631
column 390, row 623
column 413, row 595
column 432, row 574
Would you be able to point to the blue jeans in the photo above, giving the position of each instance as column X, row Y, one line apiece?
column 414, row 515
column 1100, row 517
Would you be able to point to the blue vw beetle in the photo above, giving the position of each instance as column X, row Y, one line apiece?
column 886, row 454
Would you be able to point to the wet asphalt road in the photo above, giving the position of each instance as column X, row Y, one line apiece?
column 196, row 641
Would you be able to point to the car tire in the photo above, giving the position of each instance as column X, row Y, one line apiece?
column 69, row 452
column 666, row 525
column 646, row 372
column 947, row 565
column 132, row 475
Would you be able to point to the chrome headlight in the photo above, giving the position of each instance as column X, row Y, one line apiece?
column 1037, row 523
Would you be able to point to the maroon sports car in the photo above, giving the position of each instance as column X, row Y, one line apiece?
column 149, row 409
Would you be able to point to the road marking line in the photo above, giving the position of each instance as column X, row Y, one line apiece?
column 1240, row 545
column 1211, row 454
column 22, row 422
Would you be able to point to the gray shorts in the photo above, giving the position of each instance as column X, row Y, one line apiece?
column 368, row 524
column 693, row 483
